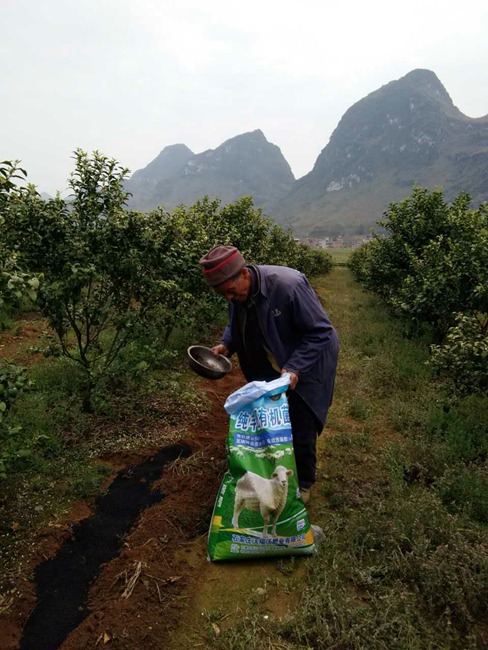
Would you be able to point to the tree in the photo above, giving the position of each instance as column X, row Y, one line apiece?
column 432, row 269
column 451, row 273
column 432, row 262
column 409, row 226
column 103, row 281
column 15, row 284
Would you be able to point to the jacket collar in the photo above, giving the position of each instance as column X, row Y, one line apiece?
column 257, row 284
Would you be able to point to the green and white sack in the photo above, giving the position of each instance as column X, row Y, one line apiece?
column 258, row 511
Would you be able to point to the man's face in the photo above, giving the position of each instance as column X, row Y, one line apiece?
column 236, row 289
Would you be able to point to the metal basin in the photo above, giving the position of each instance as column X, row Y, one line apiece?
column 206, row 364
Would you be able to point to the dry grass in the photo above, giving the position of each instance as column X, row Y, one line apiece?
column 199, row 462
column 5, row 603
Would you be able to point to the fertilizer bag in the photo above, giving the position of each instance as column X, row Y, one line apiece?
column 258, row 511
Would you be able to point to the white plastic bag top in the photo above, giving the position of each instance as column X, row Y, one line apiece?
column 254, row 390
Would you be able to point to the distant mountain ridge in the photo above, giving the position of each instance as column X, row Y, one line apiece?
column 407, row 132
column 244, row 165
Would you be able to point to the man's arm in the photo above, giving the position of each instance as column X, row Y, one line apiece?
column 311, row 320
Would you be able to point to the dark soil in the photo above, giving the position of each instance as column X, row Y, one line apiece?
column 143, row 582
column 62, row 582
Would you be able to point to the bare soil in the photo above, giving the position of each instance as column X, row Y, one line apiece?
column 27, row 332
column 161, row 590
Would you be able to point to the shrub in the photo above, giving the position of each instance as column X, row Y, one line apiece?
column 462, row 360
column 15, row 284
column 432, row 261
column 13, row 382
column 451, row 273
column 104, row 267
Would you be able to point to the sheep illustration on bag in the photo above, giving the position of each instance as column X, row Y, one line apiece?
column 266, row 495
column 256, row 493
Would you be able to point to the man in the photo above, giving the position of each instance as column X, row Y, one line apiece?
column 277, row 325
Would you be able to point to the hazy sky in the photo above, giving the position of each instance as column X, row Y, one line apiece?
column 128, row 78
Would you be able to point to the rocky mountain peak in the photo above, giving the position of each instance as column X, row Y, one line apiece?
column 246, row 164
column 406, row 132
column 404, row 121
column 168, row 162
column 427, row 82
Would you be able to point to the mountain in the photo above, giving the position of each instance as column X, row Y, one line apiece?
column 168, row 163
column 406, row 132
column 244, row 165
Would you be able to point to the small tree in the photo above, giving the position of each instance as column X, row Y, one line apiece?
column 103, row 277
column 432, row 262
column 451, row 273
column 410, row 226
column 15, row 284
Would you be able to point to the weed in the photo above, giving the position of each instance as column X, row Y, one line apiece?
column 87, row 483
column 214, row 615
column 462, row 426
column 359, row 408
column 349, row 441
column 286, row 566
column 395, row 462
column 385, row 565
column 465, row 489
column 411, row 416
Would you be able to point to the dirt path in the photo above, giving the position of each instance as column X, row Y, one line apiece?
column 159, row 590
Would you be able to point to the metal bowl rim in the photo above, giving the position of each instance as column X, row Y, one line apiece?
column 227, row 362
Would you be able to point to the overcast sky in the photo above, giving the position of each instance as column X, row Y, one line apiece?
column 128, row 78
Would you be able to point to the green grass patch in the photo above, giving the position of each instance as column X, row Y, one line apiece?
column 340, row 256
column 401, row 496
column 399, row 573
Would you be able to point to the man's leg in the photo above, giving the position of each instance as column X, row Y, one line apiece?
column 304, row 428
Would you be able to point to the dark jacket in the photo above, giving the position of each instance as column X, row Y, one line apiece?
column 298, row 334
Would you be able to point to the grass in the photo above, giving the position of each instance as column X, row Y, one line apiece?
column 401, row 496
column 339, row 256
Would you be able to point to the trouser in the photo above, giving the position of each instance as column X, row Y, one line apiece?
column 304, row 428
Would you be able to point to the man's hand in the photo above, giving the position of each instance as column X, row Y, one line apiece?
column 293, row 377
column 221, row 349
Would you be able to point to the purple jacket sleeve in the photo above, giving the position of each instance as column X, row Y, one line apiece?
column 227, row 340
column 315, row 329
